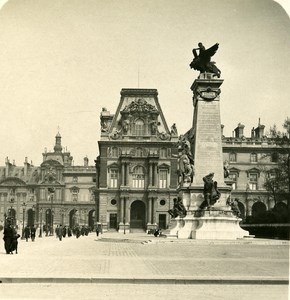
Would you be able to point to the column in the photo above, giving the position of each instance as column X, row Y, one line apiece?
column 121, row 210
column 154, row 200
column 127, row 174
column 149, row 211
column 155, row 174
column 123, row 174
column 127, row 210
column 150, row 174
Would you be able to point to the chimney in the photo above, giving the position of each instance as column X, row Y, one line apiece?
column 86, row 161
column 239, row 131
column 7, row 168
column 259, row 131
column 26, row 166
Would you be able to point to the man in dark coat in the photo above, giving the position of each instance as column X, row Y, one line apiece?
column 32, row 233
column 8, row 237
column 27, row 232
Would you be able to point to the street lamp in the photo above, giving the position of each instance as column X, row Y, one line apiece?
column 51, row 191
column 40, row 230
column 46, row 225
column 10, row 211
column 23, row 219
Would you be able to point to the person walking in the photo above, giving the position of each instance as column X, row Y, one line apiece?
column 8, row 237
column 60, row 232
column 27, row 232
column 32, row 233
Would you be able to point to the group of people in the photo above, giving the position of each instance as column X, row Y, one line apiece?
column 63, row 231
column 29, row 232
column 10, row 239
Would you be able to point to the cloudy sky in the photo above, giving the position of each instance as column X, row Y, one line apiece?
column 61, row 61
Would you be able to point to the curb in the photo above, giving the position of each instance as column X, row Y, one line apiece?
column 181, row 281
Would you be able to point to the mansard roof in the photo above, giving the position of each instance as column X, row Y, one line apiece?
column 136, row 106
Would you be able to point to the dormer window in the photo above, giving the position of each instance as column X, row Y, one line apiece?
column 139, row 127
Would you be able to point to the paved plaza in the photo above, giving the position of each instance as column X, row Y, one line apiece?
column 117, row 266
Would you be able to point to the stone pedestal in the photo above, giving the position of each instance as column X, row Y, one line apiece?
column 218, row 223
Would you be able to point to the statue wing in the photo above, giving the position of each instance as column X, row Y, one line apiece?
column 200, row 63
column 209, row 52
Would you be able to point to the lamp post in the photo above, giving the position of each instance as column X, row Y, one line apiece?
column 11, row 211
column 23, row 219
column 46, row 225
column 40, row 229
column 51, row 191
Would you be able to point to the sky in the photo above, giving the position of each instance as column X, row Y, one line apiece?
column 62, row 61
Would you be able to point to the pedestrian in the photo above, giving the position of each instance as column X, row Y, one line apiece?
column 32, row 233
column 60, row 232
column 69, row 233
column 56, row 231
column 8, row 237
column 97, row 230
column 64, row 230
column 27, row 232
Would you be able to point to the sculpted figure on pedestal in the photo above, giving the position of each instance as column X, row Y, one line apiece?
column 202, row 62
column 178, row 209
column 210, row 191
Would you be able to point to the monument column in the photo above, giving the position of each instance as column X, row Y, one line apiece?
column 207, row 144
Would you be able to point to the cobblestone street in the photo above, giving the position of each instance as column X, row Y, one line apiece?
column 108, row 265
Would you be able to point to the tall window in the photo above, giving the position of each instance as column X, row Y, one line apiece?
column 162, row 179
column 253, row 157
column 139, row 127
column 233, row 157
column 113, row 178
column 163, row 152
column 138, row 177
column 253, row 183
column 115, row 152
column 234, row 178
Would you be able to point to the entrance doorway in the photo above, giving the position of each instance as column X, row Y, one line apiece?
column 137, row 215
column 113, row 221
column 162, row 221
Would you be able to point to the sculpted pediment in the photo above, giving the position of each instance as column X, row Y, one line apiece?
column 11, row 181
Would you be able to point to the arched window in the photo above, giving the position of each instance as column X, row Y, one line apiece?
column 139, row 127
column 138, row 177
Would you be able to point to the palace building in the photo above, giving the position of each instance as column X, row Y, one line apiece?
column 56, row 192
column 137, row 165
column 134, row 179
column 249, row 160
